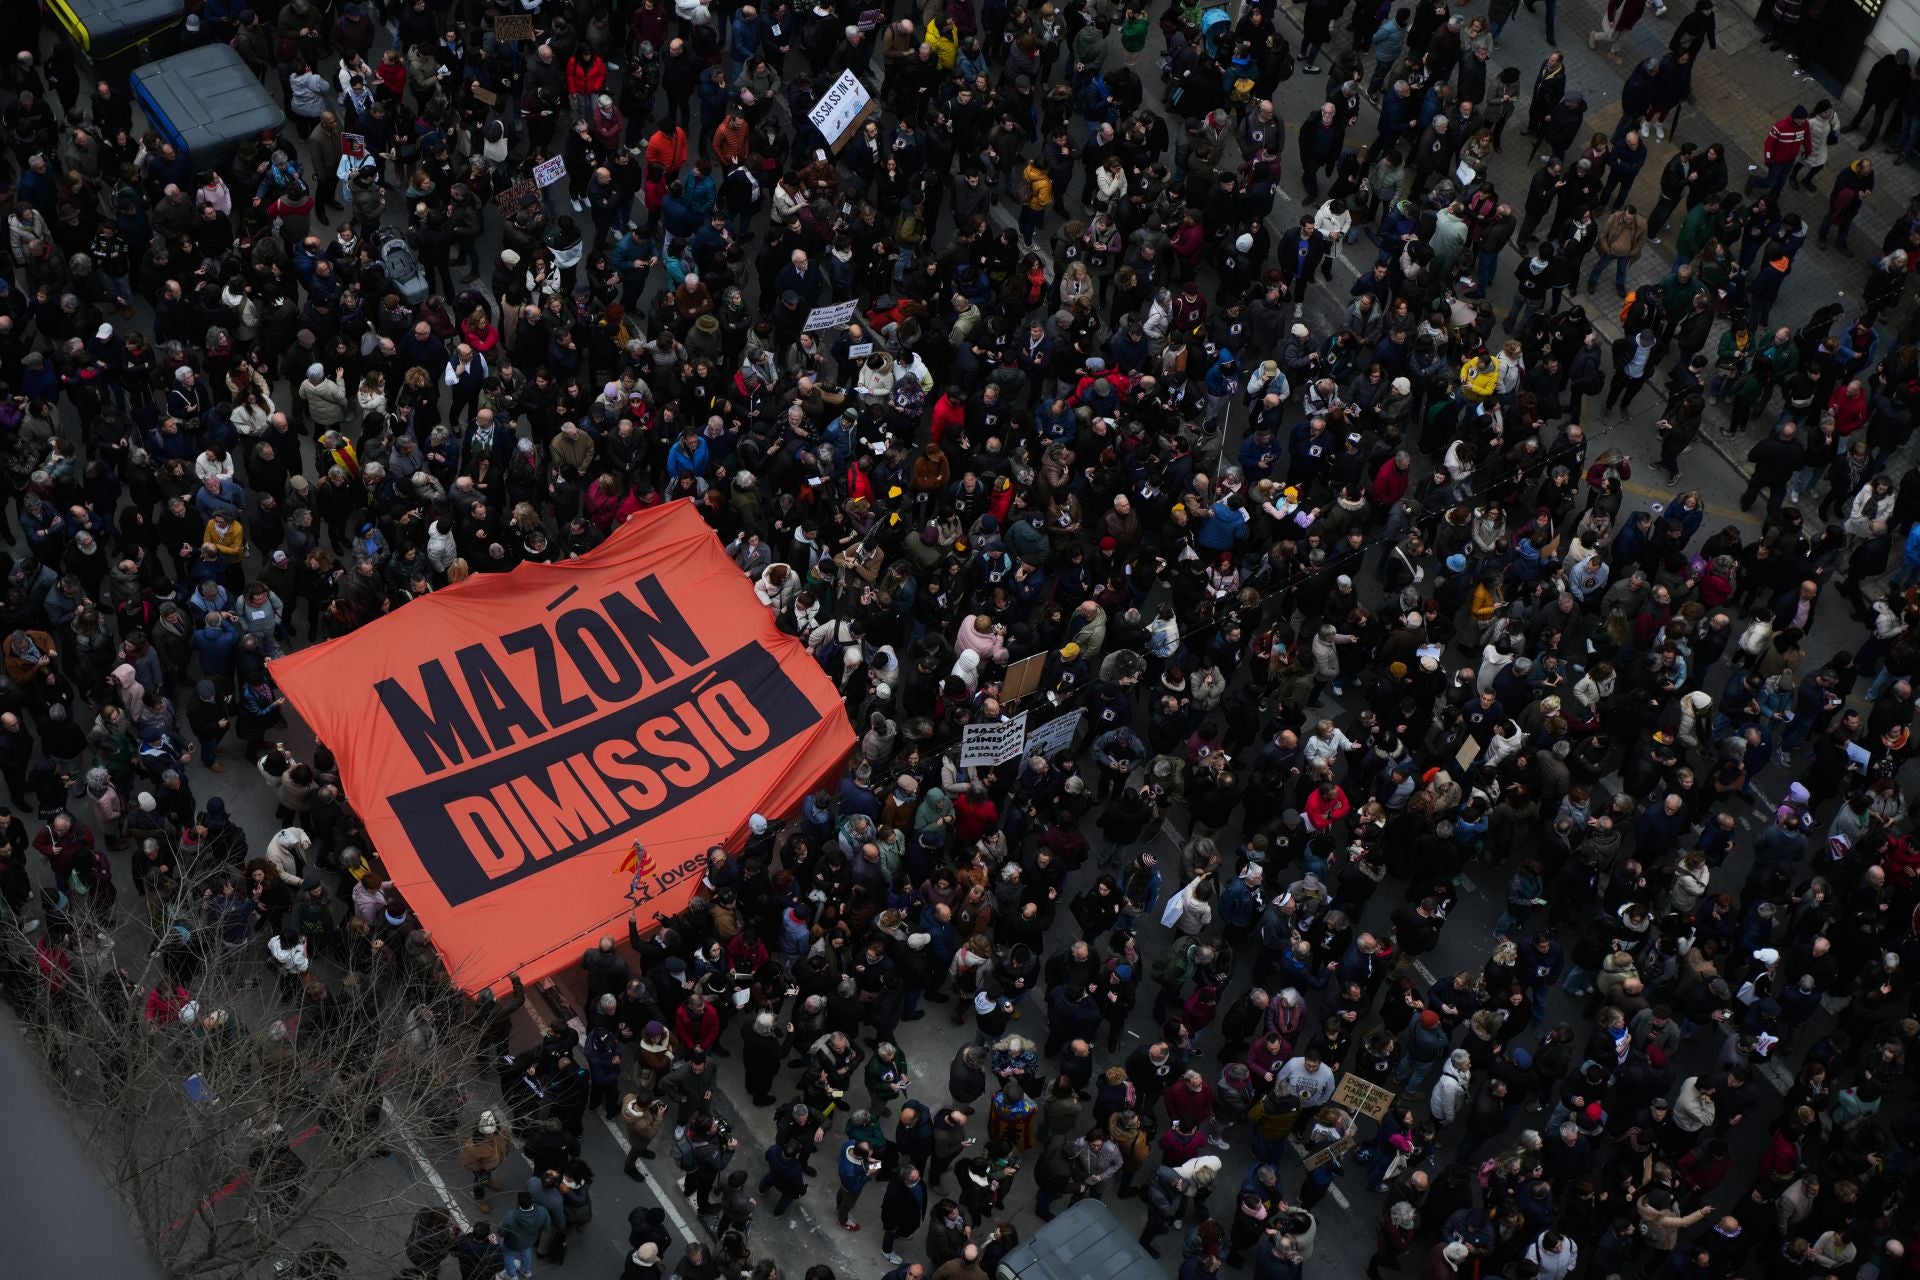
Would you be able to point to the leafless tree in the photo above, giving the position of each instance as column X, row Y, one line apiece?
column 242, row 1130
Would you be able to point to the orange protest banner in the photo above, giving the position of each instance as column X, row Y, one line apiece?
column 515, row 741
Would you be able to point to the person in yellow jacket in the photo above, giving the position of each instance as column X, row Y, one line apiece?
column 1479, row 377
column 944, row 39
column 1036, row 197
column 225, row 534
column 1485, row 602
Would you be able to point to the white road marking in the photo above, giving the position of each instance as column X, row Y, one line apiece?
column 1426, row 974
column 431, row 1174
column 619, row 1137
column 1333, row 1188
column 659, row 1189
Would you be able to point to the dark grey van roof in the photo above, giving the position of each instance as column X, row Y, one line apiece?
column 1085, row 1243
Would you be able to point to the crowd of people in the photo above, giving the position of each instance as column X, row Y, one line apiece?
column 1354, row 605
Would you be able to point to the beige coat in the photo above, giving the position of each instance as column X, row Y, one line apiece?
column 326, row 401
column 484, row 1152
column 642, row 1122
column 1663, row 1228
column 1624, row 235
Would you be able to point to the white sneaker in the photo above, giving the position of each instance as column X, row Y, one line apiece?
column 893, row 1258
column 1217, row 1144
column 1793, row 495
column 1659, row 132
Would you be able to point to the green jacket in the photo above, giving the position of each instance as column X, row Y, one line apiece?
column 1785, row 359
column 1171, row 968
column 870, row 1133
column 521, row 1228
column 1679, row 303
column 882, row 1076
column 1696, row 230
column 1733, row 357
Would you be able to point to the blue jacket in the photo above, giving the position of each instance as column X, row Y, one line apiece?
column 681, row 463
column 702, row 193
column 1224, row 378
column 745, row 41
column 795, row 935
column 788, row 1173
column 1225, row 530
column 1237, row 906
column 213, row 646
column 1064, row 427
column 1258, row 457
column 1388, row 40
column 1538, row 970
column 853, row 1171
column 1396, row 112
column 678, row 215
column 1911, row 551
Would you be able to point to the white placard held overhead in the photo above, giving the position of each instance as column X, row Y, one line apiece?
column 832, row 317
column 1055, row 735
column 993, row 743
column 839, row 107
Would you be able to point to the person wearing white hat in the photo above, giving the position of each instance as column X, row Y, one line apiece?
column 482, row 1155
column 643, row 1263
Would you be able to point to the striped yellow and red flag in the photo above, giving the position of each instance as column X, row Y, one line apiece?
column 638, row 861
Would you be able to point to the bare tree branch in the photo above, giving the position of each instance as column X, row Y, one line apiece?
column 241, row 1129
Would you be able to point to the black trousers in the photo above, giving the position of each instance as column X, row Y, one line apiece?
column 1623, row 389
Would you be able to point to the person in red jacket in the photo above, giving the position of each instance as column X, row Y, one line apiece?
column 1190, row 1099
column 586, row 77
column 949, row 414
column 1390, row 481
column 974, row 814
column 696, row 1025
column 667, row 149
column 1788, row 142
column 1848, row 405
column 1327, row 805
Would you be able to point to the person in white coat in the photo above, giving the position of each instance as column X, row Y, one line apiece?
column 1823, row 129
column 1556, row 1255
column 1450, row 1093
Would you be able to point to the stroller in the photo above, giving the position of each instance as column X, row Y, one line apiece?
column 403, row 269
